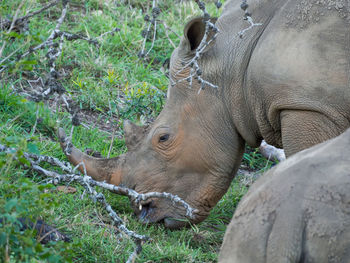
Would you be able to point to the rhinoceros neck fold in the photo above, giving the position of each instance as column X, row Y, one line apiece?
column 234, row 52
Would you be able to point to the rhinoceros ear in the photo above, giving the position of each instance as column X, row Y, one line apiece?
column 133, row 133
column 194, row 32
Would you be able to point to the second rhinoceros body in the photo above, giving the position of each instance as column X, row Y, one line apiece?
column 286, row 81
column 299, row 211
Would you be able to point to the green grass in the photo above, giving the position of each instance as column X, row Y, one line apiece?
column 111, row 83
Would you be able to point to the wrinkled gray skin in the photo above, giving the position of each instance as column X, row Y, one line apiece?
column 286, row 82
column 297, row 212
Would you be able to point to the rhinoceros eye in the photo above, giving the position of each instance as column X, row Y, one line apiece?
column 164, row 138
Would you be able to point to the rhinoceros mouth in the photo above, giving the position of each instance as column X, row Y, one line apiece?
column 148, row 215
column 146, row 212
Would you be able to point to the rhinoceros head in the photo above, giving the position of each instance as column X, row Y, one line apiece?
column 192, row 149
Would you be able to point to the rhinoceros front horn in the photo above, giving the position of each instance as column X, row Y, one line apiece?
column 100, row 169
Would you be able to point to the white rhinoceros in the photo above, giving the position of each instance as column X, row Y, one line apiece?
column 297, row 212
column 286, row 81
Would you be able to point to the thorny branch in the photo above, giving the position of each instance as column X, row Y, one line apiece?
column 152, row 22
column 89, row 184
column 11, row 25
column 20, row 20
column 247, row 16
column 48, row 41
column 55, row 49
column 54, row 43
column 210, row 28
column 112, row 32
column 196, row 72
column 135, row 196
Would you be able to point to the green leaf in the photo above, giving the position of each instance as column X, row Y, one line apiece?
column 38, row 248
column 113, row 106
column 28, row 62
column 42, row 187
column 36, row 38
column 2, row 163
column 24, row 161
column 13, row 34
column 10, row 204
column 45, row 255
column 12, row 139
column 28, row 250
column 28, row 68
column 33, row 148
column 3, row 238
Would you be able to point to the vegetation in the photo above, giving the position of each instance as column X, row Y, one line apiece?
column 109, row 84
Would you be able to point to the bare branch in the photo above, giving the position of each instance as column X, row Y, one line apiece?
column 19, row 20
column 196, row 72
column 55, row 49
column 154, row 36
column 11, row 26
column 9, row 55
column 89, row 184
column 112, row 141
column 112, row 32
column 270, row 152
column 251, row 25
column 135, row 196
column 36, row 120
column 49, row 41
column 169, row 28
column 145, row 33
column 137, row 251
column 167, row 35
column 247, row 16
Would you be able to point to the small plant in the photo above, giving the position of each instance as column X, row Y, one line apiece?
column 23, row 198
column 141, row 100
column 253, row 159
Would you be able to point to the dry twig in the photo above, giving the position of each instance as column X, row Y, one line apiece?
column 248, row 18
column 196, row 72
column 145, row 33
column 89, row 184
column 54, row 43
column 12, row 24
column 20, row 20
